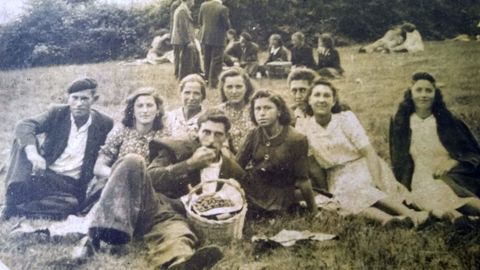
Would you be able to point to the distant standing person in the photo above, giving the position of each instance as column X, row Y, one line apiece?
column 175, row 4
column 328, row 57
column 214, row 22
column 183, row 41
column 302, row 55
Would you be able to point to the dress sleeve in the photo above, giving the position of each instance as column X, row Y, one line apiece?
column 354, row 130
column 246, row 150
column 111, row 148
column 301, row 160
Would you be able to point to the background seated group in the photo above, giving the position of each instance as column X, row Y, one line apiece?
column 400, row 38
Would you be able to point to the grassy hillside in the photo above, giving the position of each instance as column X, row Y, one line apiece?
column 373, row 86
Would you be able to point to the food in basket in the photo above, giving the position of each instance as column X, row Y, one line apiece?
column 207, row 203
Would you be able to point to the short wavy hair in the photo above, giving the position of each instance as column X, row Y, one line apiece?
column 276, row 37
column 129, row 112
column 233, row 72
column 302, row 74
column 214, row 115
column 285, row 117
column 194, row 78
column 327, row 40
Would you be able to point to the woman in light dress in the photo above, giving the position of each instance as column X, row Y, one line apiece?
column 182, row 122
column 434, row 154
column 360, row 181
column 236, row 89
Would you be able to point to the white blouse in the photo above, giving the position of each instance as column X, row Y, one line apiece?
column 337, row 143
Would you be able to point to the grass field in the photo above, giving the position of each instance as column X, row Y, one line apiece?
column 373, row 87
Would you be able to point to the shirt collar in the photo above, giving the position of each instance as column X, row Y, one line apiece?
column 84, row 127
column 274, row 51
column 218, row 1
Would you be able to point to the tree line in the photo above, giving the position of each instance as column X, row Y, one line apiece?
column 53, row 32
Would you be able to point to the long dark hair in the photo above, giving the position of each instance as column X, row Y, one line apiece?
column 129, row 115
column 337, row 106
column 285, row 117
column 233, row 72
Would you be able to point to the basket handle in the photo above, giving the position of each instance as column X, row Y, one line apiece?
column 230, row 181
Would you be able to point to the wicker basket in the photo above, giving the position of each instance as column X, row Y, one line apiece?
column 217, row 230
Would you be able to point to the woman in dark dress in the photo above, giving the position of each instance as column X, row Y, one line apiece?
column 434, row 154
column 275, row 156
column 328, row 58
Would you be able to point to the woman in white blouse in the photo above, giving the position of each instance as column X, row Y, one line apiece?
column 434, row 154
column 360, row 181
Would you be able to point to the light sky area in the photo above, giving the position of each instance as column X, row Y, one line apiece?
column 11, row 9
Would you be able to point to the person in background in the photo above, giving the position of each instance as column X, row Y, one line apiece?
column 232, row 38
column 275, row 158
column 434, row 154
column 413, row 40
column 359, row 180
column 392, row 38
column 214, row 22
column 328, row 58
column 277, row 52
column 302, row 55
column 183, row 41
column 246, row 52
column 50, row 180
column 182, row 122
column 236, row 89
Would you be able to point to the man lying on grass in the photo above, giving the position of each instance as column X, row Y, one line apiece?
column 49, row 181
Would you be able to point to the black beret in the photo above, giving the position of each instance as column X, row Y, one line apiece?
column 82, row 84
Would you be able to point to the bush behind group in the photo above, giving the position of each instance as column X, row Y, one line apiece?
column 53, row 32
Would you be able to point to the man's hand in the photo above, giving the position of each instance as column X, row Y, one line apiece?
column 445, row 167
column 202, row 157
column 39, row 165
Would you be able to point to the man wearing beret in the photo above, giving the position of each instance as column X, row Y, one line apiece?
column 50, row 180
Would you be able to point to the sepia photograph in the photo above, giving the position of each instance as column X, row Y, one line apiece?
column 239, row 134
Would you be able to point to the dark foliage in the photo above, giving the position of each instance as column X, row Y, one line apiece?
column 78, row 31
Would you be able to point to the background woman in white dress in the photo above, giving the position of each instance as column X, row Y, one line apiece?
column 356, row 176
column 434, row 154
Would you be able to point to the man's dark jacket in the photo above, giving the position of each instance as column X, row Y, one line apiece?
column 170, row 172
column 55, row 125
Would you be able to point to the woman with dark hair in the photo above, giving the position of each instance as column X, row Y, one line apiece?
column 182, row 122
column 328, row 57
column 434, row 154
column 360, row 181
column 236, row 89
column 141, row 123
column 275, row 156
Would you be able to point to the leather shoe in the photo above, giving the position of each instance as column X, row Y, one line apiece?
column 203, row 258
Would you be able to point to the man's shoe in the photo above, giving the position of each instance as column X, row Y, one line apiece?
column 203, row 258
column 87, row 248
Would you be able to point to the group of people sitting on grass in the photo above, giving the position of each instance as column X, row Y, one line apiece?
column 404, row 38
column 244, row 53
column 129, row 178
